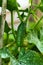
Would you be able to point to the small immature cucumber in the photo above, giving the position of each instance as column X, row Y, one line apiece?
column 21, row 34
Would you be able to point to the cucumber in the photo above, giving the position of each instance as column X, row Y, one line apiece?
column 21, row 34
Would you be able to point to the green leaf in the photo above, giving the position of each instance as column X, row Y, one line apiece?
column 32, row 37
column 6, row 28
column 21, row 34
column 31, row 58
column 4, row 53
column 28, row 58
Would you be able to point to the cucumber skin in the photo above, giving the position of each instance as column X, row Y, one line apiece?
column 21, row 34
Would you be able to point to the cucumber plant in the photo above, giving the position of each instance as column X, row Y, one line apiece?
column 24, row 46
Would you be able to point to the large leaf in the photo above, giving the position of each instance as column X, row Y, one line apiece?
column 32, row 37
column 25, row 57
column 28, row 58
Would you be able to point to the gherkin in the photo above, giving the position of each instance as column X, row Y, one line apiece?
column 21, row 34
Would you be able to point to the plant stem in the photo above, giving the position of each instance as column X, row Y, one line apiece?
column 29, row 12
column 3, row 15
column 28, row 15
column 12, row 24
column 19, row 16
column 18, row 13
